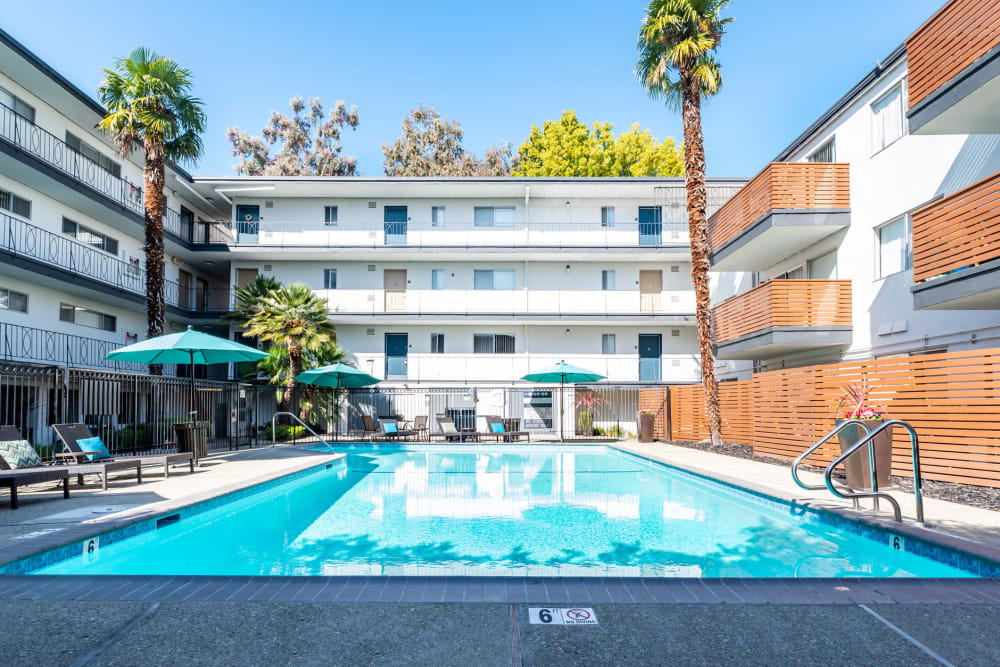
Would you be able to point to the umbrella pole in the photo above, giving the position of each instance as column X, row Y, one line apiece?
column 194, row 412
column 562, row 406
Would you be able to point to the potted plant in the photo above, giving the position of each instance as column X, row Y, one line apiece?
column 646, row 419
column 586, row 403
column 854, row 405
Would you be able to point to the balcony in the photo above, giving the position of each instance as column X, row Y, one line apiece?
column 783, row 317
column 956, row 249
column 360, row 305
column 20, row 343
column 507, row 368
column 954, row 70
column 458, row 235
column 785, row 208
column 64, row 261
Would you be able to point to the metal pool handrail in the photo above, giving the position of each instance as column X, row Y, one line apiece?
column 819, row 443
column 274, row 434
column 915, row 450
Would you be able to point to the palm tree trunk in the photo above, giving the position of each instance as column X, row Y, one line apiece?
column 294, row 368
column 697, row 205
column 153, row 180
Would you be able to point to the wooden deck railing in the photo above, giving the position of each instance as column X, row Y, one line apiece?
column 784, row 303
column 955, row 37
column 781, row 186
column 958, row 231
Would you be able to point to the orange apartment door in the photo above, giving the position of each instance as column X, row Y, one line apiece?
column 184, row 284
column 245, row 276
column 650, row 288
column 394, row 281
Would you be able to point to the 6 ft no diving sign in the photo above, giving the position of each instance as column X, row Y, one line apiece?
column 566, row 616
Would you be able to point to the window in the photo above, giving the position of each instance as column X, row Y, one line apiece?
column 493, row 344
column 11, row 300
column 437, row 216
column 894, row 250
column 887, row 119
column 89, row 236
column 329, row 278
column 437, row 343
column 825, row 153
column 16, row 205
column 607, row 343
column 607, row 280
column 798, row 273
column 330, row 215
column 607, row 216
column 87, row 318
column 493, row 216
column 437, row 278
column 823, row 267
column 493, row 279
column 17, row 105
column 88, row 151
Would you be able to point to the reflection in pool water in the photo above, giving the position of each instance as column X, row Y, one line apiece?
column 567, row 511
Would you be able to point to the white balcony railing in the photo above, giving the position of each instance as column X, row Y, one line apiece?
column 418, row 234
column 532, row 301
column 511, row 367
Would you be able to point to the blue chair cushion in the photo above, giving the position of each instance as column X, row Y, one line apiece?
column 95, row 445
column 497, row 427
column 19, row 454
column 390, row 427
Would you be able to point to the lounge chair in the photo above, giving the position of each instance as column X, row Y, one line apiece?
column 101, row 468
column 367, row 429
column 70, row 434
column 420, row 426
column 451, row 434
column 389, row 429
column 12, row 479
column 498, row 428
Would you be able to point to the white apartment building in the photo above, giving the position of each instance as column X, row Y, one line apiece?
column 428, row 281
column 445, row 281
column 875, row 233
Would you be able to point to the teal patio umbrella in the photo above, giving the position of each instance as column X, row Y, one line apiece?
column 337, row 376
column 563, row 373
column 188, row 347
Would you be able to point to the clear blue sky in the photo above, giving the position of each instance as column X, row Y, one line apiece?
column 496, row 67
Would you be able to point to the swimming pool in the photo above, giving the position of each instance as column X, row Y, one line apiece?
column 506, row 510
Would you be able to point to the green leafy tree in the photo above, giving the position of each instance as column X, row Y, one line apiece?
column 567, row 147
column 293, row 317
column 676, row 64
column 149, row 102
column 248, row 299
column 431, row 145
column 276, row 367
column 298, row 153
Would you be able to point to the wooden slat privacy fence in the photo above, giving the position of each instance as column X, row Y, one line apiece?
column 952, row 399
column 782, row 186
column 960, row 230
column 784, row 303
column 955, row 37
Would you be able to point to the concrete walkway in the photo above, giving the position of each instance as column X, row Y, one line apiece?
column 958, row 525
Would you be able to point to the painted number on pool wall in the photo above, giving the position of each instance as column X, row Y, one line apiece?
column 897, row 543
column 568, row 616
column 91, row 548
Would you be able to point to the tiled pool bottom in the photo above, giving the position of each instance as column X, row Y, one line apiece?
column 565, row 511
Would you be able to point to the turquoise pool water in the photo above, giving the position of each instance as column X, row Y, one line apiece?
column 531, row 510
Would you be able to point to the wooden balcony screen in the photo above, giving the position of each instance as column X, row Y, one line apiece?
column 784, row 303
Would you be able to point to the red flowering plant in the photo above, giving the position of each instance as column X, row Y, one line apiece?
column 854, row 402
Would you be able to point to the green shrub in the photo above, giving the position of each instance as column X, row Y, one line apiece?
column 285, row 432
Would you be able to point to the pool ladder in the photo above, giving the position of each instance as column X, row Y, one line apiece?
column 274, row 434
column 849, row 493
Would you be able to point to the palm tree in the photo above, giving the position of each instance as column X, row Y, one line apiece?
column 248, row 299
column 295, row 318
column 148, row 100
column 676, row 63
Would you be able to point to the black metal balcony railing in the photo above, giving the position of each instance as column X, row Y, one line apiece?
column 23, row 239
column 20, row 343
column 21, row 132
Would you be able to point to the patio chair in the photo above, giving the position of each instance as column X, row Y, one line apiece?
column 499, row 429
column 100, row 468
column 367, row 429
column 70, row 434
column 451, row 434
column 420, row 426
column 389, row 429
